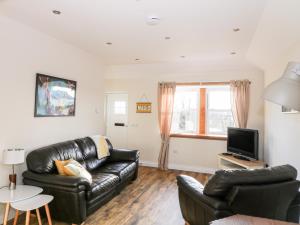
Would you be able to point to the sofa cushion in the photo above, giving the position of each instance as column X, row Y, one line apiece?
column 74, row 168
column 89, row 152
column 60, row 166
column 101, row 184
column 223, row 180
column 43, row 160
column 121, row 169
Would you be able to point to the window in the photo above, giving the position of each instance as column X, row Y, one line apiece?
column 202, row 110
column 219, row 115
column 120, row 107
column 186, row 110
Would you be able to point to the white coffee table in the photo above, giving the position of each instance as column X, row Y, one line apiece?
column 21, row 192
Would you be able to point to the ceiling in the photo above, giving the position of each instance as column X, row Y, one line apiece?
column 200, row 30
column 277, row 32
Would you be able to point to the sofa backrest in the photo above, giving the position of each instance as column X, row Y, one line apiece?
column 83, row 150
column 43, row 159
column 89, row 152
column 224, row 180
column 266, row 200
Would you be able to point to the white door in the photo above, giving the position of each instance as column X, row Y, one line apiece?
column 117, row 119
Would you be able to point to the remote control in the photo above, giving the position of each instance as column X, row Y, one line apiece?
column 226, row 153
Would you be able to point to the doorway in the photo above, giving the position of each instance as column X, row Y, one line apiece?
column 116, row 119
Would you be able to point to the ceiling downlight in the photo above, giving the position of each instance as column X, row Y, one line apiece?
column 56, row 12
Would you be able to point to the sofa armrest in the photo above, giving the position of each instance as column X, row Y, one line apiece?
column 60, row 182
column 124, row 155
column 194, row 189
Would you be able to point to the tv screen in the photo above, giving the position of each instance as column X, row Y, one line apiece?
column 243, row 142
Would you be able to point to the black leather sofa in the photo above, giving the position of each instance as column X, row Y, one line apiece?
column 270, row 193
column 75, row 198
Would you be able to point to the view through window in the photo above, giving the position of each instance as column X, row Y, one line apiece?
column 202, row 110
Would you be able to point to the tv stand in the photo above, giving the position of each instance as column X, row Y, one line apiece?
column 229, row 162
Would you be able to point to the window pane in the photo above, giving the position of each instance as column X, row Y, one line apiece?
column 218, row 121
column 219, row 98
column 219, row 115
column 186, row 110
column 120, row 107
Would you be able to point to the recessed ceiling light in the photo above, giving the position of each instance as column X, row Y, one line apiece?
column 232, row 53
column 167, row 38
column 56, row 12
column 236, row 29
column 152, row 20
column 108, row 43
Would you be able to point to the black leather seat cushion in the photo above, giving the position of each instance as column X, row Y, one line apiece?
column 42, row 160
column 121, row 169
column 102, row 183
column 89, row 152
column 221, row 183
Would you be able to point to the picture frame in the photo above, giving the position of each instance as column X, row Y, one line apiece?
column 54, row 96
column 143, row 107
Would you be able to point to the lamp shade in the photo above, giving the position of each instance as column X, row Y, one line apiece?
column 13, row 156
column 286, row 90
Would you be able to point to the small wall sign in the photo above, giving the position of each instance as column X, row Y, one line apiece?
column 143, row 107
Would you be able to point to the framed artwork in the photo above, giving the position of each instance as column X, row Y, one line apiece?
column 143, row 107
column 54, row 97
column 288, row 110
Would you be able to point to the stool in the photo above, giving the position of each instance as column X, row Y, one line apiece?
column 33, row 203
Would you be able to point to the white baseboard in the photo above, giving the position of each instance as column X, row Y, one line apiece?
column 149, row 164
column 181, row 167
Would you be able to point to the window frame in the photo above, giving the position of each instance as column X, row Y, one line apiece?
column 203, row 114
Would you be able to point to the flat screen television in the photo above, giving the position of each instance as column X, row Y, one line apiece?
column 243, row 142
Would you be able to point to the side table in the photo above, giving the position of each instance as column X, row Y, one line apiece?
column 33, row 203
column 21, row 192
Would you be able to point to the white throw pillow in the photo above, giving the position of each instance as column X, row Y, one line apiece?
column 74, row 168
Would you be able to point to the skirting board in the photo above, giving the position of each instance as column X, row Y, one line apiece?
column 181, row 167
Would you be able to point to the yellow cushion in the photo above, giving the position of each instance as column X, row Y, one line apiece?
column 60, row 166
column 74, row 168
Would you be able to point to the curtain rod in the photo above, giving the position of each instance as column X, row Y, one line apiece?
column 203, row 83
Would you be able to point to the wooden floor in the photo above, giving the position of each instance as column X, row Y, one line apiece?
column 150, row 200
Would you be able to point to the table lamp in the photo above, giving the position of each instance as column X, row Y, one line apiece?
column 13, row 157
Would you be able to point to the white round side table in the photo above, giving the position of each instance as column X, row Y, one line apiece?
column 33, row 203
column 21, row 192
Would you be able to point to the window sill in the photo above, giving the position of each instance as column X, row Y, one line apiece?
column 197, row 136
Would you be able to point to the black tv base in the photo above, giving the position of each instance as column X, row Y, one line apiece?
column 241, row 157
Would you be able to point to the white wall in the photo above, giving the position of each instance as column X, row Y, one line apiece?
column 23, row 53
column 282, row 130
column 276, row 42
column 187, row 154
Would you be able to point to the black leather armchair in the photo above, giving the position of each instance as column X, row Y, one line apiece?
column 271, row 193
column 75, row 198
